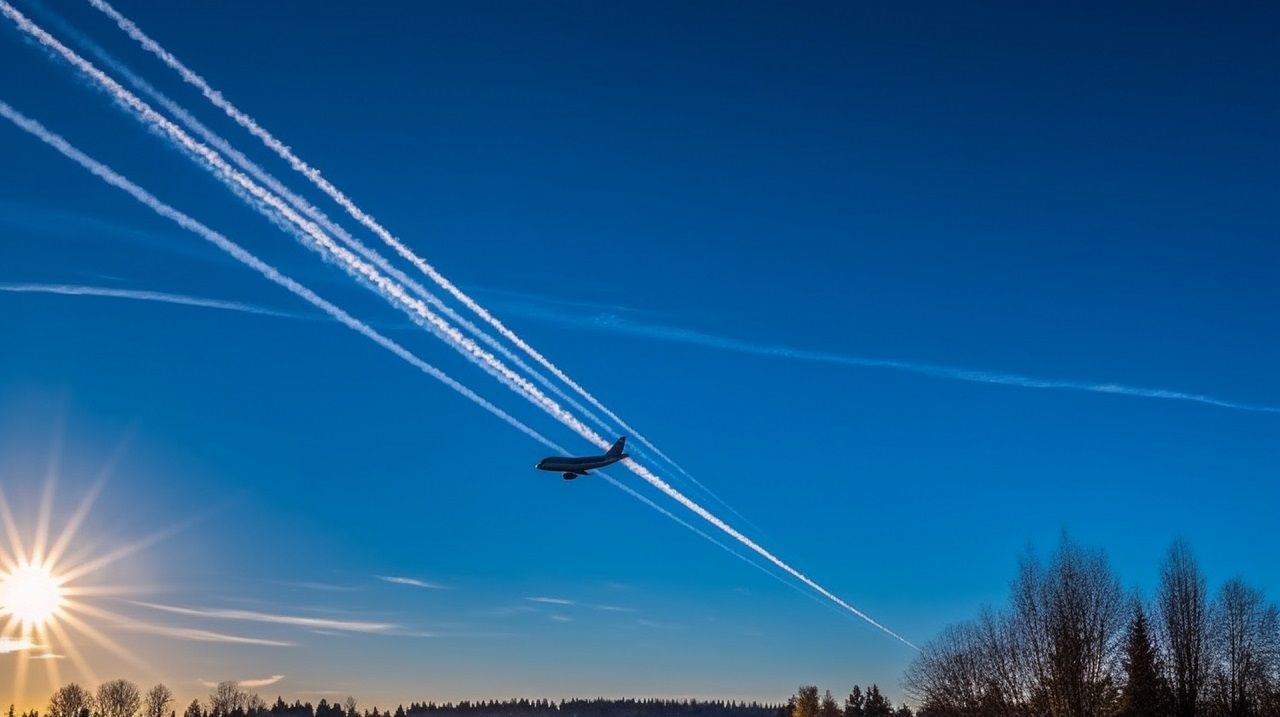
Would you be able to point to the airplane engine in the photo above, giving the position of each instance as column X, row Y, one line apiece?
column 570, row 476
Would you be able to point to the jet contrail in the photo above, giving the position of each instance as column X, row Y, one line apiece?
column 622, row 325
column 314, row 175
column 140, row 295
column 313, row 237
column 278, row 212
column 150, row 201
column 243, row 256
column 311, row 212
column 343, row 236
column 396, row 293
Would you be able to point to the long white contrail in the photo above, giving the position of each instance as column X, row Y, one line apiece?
column 396, row 293
column 314, row 175
column 117, row 180
column 243, row 256
column 622, row 325
column 314, row 238
column 142, row 295
column 287, row 218
column 313, row 213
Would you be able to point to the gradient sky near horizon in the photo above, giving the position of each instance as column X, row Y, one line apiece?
column 673, row 202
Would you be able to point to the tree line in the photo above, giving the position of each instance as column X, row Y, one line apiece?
column 121, row 698
column 872, row 703
column 1071, row 642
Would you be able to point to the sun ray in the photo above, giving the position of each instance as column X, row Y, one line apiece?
column 77, row 659
column 51, row 669
column 106, row 590
column 20, row 673
column 125, row 551
column 105, row 642
column 11, row 527
column 86, row 503
column 40, row 541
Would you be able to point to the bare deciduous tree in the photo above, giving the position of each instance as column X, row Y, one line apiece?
column 117, row 698
column 157, row 701
column 226, row 698
column 949, row 676
column 1183, row 614
column 1057, row 651
column 70, row 700
column 1244, row 640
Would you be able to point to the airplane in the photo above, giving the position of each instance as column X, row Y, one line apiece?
column 574, row 467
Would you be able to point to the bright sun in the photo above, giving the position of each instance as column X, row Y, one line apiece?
column 31, row 594
column 47, row 611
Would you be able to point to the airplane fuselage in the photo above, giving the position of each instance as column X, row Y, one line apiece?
column 573, row 466
column 577, row 465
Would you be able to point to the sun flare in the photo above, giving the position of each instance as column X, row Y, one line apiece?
column 48, row 601
column 31, row 594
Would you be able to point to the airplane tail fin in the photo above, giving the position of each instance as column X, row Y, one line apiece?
column 617, row 448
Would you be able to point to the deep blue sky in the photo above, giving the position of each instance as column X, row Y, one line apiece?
column 1080, row 193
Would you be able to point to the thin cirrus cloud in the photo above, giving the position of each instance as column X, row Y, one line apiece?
column 551, row 600
column 197, row 635
column 257, row 682
column 315, row 623
column 565, row 602
column 618, row 324
column 161, row 297
column 411, row 582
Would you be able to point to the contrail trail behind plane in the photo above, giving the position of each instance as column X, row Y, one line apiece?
column 395, row 293
column 245, row 257
column 311, row 173
column 149, row 200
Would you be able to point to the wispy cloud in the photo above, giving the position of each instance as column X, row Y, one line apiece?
column 618, row 324
column 562, row 618
column 292, row 620
column 49, row 656
column 609, row 322
column 8, row 645
column 412, row 582
column 552, row 600
column 326, row 587
column 251, row 683
column 196, row 635
column 152, row 296
column 612, row 608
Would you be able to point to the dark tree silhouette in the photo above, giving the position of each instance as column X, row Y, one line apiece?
column 828, row 707
column 807, row 703
column 1182, row 605
column 877, row 705
column 1245, row 651
column 117, row 698
column 854, row 703
column 1145, row 692
column 70, row 700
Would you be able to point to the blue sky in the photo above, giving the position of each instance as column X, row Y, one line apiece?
column 1079, row 194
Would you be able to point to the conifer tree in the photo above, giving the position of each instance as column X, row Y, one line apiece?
column 1145, row 693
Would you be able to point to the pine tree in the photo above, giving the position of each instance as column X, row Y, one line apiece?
column 853, row 704
column 877, row 704
column 1145, row 693
column 828, row 707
